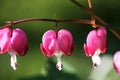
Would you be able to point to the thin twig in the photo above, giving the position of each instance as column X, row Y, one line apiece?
column 90, row 12
column 105, row 24
column 90, row 4
column 11, row 23
column 92, row 16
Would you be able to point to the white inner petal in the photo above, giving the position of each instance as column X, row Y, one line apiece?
column 13, row 61
column 96, row 58
column 58, row 55
column 59, row 65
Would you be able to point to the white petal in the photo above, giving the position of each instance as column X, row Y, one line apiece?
column 13, row 61
column 96, row 58
column 59, row 65
column 58, row 55
column 96, row 61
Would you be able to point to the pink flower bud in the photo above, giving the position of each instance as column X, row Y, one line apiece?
column 116, row 61
column 57, row 43
column 95, row 45
column 13, row 41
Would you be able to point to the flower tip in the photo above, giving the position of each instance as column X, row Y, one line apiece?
column 59, row 66
column 14, row 66
column 96, row 61
column 95, row 65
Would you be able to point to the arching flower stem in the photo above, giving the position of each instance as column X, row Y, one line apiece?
column 87, row 10
column 11, row 23
column 92, row 14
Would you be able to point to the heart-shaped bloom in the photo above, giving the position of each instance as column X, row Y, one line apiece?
column 95, row 45
column 13, row 41
column 57, row 43
column 116, row 61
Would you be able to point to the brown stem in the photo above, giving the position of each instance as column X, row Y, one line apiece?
column 90, row 4
column 105, row 24
column 56, row 23
column 90, row 12
column 11, row 23
column 92, row 16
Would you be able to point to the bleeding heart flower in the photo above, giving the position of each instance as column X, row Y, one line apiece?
column 95, row 45
column 57, row 43
column 13, row 41
column 116, row 61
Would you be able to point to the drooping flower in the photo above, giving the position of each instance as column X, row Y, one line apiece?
column 95, row 45
column 14, row 42
column 116, row 62
column 57, row 43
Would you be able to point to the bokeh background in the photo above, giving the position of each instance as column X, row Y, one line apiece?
column 34, row 66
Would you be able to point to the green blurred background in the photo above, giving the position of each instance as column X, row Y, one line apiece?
column 34, row 66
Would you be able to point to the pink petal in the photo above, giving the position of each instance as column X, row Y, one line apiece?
column 93, row 42
column 44, row 50
column 18, row 41
column 71, row 49
column 116, row 62
column 96, row 39
column 5, row 34
column 65, row 41
column 101, row 32
column 86, row 50
column 49, row 43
